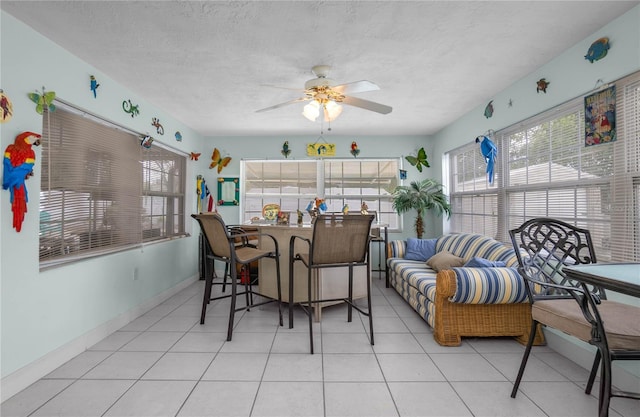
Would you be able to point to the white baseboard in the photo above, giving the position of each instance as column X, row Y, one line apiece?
column 582, row 354
column 27, row 375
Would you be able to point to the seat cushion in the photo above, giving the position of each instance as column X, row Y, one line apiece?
column 620, row 321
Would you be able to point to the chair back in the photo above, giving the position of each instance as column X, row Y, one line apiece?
column 340, row 239
column 216, row 233
column 543, row 247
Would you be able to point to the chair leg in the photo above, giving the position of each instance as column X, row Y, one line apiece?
column 279, row 285
column 350, row 303
column 605, row 385
column 369, row 305
column 525, row 358
column 224, row 278
column 208, row 278
column 232, row 309
column 213, row 276
column 290, row 292
column 310, row 312
column 594, row 371
column 248, row 296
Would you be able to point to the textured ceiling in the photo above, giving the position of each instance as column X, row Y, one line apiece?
column 211, row 64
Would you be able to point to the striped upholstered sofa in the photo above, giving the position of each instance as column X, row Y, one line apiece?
column 464, row 301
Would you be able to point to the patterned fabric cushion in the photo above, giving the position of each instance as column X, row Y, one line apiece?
column 396, row 249
column 469, row 245
column 415, row 273
column 489, row 286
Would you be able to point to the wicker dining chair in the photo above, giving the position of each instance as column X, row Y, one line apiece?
column 338, row 241
column 543, row 247
column 223, row 246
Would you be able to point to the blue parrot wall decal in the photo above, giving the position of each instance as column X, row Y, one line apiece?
column 94, row 86
column 489, row 152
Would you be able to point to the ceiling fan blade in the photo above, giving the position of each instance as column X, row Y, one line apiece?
column 286, row 103
column 367, row 105
column 282, row 88
column 356, row 87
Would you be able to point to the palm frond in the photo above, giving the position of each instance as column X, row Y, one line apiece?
column 421, row 196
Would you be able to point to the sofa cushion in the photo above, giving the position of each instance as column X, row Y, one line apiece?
column 444, row 260
column 489, row 286
column 478, row 262
column 396, row 249
column 467, row 245
column 420, row 249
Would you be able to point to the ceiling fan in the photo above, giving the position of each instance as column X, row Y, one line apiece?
column 322, row 92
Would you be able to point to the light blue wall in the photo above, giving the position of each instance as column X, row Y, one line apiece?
column 570, row 76
column 43, row 311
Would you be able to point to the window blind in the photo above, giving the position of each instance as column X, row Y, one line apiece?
column 290, row 184
column 101, row 191
column 353, row 182
column 473, row 199
column 544, row 169
column 293, row 184
column 624, row 198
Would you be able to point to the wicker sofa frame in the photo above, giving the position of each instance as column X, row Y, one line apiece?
column 437, row 305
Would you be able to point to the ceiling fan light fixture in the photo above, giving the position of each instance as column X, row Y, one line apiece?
column 331, row 111
column 311, row 110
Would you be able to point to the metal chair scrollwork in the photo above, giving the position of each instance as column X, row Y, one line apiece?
column 543, row 247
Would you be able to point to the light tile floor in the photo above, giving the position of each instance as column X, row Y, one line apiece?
column 166, row 364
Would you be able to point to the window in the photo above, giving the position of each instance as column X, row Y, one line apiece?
column 545, row 170
column 102, row 191
column 292, row 184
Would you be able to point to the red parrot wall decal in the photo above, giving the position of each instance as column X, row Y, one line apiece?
column 18, row 162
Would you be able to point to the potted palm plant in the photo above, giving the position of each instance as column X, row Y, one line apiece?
column 420, row 196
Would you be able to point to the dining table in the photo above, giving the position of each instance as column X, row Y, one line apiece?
column 327, row 283
column 622, row 278
column 618, row 277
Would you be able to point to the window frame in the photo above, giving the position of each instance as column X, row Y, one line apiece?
column 584, row 182
column 316, row 183
column 75, row 228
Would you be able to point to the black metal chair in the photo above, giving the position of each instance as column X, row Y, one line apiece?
column 338, row 241
column 543, row 247
column 223, row 246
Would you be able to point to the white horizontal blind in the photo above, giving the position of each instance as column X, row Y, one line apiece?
column 474, row 201
column 290, row 184
column 101, row 191
column 293, row 184
column 163, row 201
column 545, row 170
column 353, row 182
column 552, row 174
column 624, row 208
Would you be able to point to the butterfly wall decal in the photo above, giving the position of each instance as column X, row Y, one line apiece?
column 218, row 161
column 195, row 155
column 44, row 100
column 419, row 160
